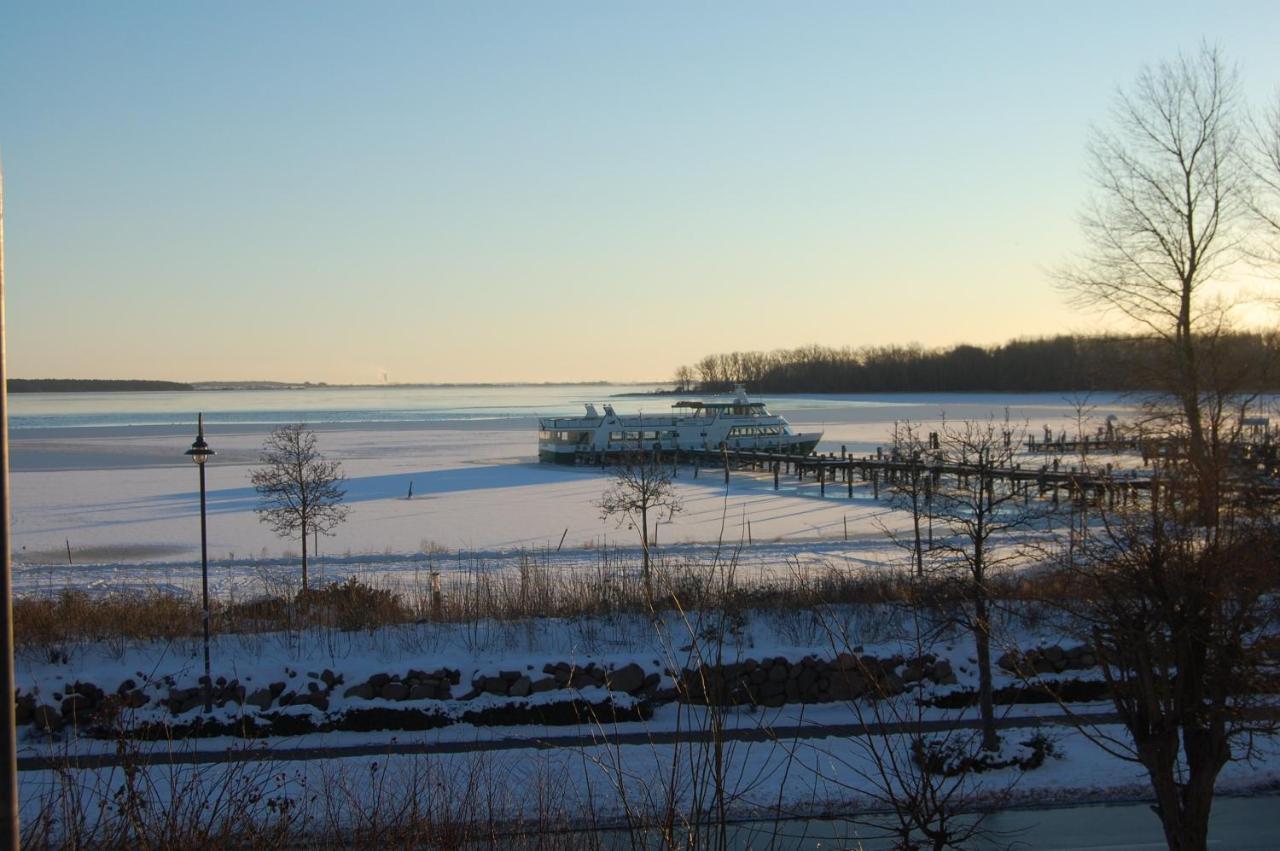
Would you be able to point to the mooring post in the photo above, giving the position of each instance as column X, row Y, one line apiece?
column 776, row 465
column 822, row 479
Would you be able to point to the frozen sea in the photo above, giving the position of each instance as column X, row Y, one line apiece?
column 103, row 476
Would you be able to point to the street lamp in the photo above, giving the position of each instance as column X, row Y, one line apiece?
column 200, row 453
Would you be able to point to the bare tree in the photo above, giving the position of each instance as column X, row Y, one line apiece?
column 1181, row 618
column 684, row 379
column 300, row 491
column 1177, row 591
column 911, row 490
column 1170, row 189
column 641, row 487
column 1265, row 164
column 983, row 516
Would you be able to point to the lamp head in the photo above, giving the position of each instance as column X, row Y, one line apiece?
column 200, row 450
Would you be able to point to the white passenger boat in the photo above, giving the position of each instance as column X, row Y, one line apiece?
column 708, row 425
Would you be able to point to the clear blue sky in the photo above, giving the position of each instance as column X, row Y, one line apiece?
column 538, row 191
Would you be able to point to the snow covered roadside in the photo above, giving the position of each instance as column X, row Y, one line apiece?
column 602, row 786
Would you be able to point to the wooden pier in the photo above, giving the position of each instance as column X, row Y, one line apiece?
column 842, row 472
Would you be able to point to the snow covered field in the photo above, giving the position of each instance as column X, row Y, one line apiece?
column 124, row 499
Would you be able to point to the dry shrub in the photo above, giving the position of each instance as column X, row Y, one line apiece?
column 353, row 605
column 75, row 616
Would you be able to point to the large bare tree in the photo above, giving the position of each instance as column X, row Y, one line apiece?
column 1265, row 164
column 1171, row 188
column 1177, row 591
column 300, row 490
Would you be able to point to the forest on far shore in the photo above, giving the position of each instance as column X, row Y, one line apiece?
column 1062, row 363
column 89, row 385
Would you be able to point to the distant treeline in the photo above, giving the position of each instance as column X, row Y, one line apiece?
column 88, row 385
column 1062, row 363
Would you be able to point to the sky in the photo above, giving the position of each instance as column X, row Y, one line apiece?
column 419, row 192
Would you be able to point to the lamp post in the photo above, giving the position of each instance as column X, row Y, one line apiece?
column 200, row 453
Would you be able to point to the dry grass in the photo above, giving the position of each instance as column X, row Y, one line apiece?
column 474, row 592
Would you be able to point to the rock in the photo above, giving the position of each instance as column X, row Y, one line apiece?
column 89, row 691
column 46, row 719
column 1010, row 661
column 24, row 708
column 261, row 698
column 277, row 689
column 136, row 699
column 421, row 692
column 328, row 678
column 509, row 676
column 628, row 678
column 891, row 684
column 318, row 699
column 543, row 685
column 521, row 687
column 378, row 681
column 394, row 691
column 942, row 674
column 126, row 687
column 778, row 673
column 496, row 685
column 364, row 691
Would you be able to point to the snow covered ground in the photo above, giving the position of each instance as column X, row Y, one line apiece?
column 123, row 499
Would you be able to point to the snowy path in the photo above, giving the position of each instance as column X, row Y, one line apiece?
column 599, row 737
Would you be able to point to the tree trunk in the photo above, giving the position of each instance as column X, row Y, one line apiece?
column 982, row 638
column 304, row 560
column 644, row 553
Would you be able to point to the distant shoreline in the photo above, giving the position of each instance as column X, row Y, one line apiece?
column 94, row 385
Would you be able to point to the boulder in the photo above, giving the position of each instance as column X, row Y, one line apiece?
column 942, row 674
column 394, row 691
column 318, row 699
column 521, row 687
column 364, row 691
column 261, row 698
column 544, row 684
column 46, row 719
column 1011, row 661
column 136, row 699
column 628, row 678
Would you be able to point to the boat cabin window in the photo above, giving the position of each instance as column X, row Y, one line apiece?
column 635, row 436
column 564, row 436
column 755, row 431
